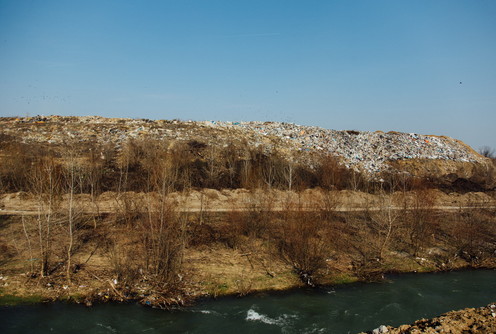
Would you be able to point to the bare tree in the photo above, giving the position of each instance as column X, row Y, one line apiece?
column 93, row 173
column 474, row 233
column 385, row 221
column 268, row 171
column 230, row 156
column 163, row 230
column 420, row 224
column 45, row 184
column 327, row 204
column 123, row 162
column 246, row 173
column 163, row 239
column 304, row 243
column 355, row 180
column 255, row 219
column 73, row 178
column 289, row 173
column 487, row 152
column 214, row 167
column 250, row 170
column 328, row 172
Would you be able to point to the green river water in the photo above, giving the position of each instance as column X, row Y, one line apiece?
column 343, row 309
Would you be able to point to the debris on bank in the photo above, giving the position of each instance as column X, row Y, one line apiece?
column 360, row 150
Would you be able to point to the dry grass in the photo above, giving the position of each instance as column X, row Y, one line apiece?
column 218, row 270
column 223, row 255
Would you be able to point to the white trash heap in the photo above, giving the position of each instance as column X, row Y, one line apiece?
column 363, row 150
column 360, row 150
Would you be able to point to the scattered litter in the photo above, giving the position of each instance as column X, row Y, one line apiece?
column 360, row 150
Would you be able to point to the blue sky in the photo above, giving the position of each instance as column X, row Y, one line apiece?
column 364, row 65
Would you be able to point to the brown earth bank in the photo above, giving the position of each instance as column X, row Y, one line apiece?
column 469, row 320
column 170, row 250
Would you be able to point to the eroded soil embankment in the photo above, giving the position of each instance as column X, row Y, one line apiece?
column 469, row 320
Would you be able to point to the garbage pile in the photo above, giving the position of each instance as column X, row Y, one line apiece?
column 365, row 151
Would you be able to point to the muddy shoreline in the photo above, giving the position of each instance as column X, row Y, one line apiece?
column 470, row 320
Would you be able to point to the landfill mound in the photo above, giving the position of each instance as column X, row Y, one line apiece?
column 368, row 152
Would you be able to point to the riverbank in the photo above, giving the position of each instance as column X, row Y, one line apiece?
column 25, row 291
column 401, row 299
column 237, row 243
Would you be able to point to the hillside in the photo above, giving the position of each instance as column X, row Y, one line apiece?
column 164, row 212
column 446, row 161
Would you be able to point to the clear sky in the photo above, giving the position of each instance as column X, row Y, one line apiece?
column 414, row 66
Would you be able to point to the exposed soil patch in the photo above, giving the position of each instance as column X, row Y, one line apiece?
column 470, row 320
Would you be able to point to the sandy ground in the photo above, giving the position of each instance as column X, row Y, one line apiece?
column 242, row 199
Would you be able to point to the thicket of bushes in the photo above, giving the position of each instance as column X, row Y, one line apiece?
column 153, row 252
column 139, row 164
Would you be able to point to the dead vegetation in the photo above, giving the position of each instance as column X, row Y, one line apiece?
column 155, row 252
column 111, row 222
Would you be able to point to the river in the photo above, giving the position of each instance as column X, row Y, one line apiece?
column 344, row 309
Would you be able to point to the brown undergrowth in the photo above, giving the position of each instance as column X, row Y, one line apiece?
column 151, row 251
